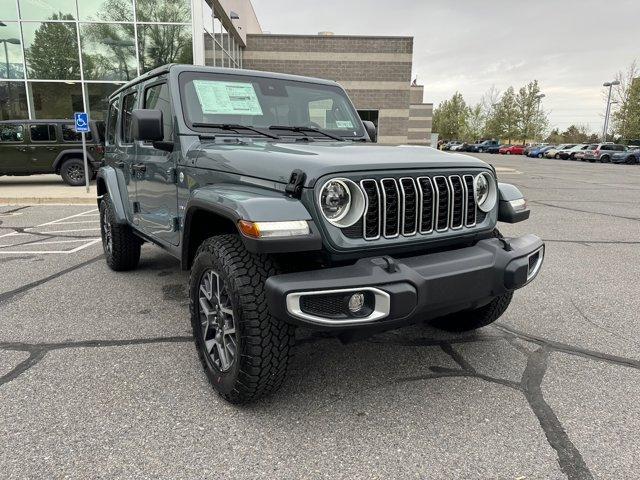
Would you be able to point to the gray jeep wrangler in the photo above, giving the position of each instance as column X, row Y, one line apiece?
column 269, row 189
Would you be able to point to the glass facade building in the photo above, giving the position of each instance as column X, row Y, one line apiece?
column 62, row 56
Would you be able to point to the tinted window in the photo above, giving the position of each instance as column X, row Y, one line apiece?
column 112, row 119
column 157, row 97
column 128, row 104
column 69, row 133
column 42, row 133
column 11, row 133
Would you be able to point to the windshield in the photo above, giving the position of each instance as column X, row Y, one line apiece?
column 210, row 99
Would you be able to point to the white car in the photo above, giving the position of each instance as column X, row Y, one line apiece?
column 555, row 152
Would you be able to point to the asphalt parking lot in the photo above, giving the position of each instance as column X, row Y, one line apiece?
column 99, row 377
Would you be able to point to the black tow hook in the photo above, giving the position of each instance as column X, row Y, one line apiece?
column 293, row 189
column 387, row 263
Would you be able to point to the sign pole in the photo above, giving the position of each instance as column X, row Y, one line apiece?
column 86, row 162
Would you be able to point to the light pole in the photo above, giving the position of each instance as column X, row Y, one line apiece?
column 539, row 97
column 608, row 110
column 13, row 41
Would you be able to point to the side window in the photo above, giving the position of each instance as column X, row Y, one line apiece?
column 69, row 133
column 42, row 133
column 112, row 120
column 11, row 133
column 157, row 97
column 128, row 105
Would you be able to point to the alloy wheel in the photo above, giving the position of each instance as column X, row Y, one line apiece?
column 217, row 321
column 76, row 173
column 107, row 234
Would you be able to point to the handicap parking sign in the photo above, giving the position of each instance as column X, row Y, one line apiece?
column 82, row 122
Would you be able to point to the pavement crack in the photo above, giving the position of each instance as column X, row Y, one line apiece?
column 600, row 327
column 569, row 458
column 4, row 297
column 457, row 357
column 635, row 219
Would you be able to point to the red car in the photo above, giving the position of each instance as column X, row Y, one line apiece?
column 512, row 150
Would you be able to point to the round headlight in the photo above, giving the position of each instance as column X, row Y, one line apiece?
column 341, row 202
column 485, row 191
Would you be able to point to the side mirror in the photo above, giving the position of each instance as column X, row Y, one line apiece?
column 371, row 129
column 146, row 125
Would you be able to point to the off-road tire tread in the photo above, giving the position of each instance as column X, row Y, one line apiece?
column 125, row 253
column 64, row 175
column 266, row 344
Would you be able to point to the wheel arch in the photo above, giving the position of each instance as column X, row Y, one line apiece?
column 68, row 154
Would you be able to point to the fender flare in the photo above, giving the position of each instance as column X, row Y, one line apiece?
column 239, row 202
column 107, row 182
column 64, row 153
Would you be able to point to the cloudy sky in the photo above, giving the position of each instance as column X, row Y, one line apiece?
column 570, row 46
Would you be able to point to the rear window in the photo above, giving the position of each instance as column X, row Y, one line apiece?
column 11, row 133
column 42, row 133
column 112, row 120
column 69, row 134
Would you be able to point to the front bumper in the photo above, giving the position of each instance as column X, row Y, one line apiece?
column 411, row 289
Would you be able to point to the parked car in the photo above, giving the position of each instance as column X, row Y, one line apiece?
column 482, row 147
column 457, row 147
column 554, row 152
column 539, row 151
column 531, row 146
column 579, row 155
column 570, row 153
column 512, row 150
column 448, row 145
column 629, row 157
column 603, row 152
column 279, row 232
column 32, row 147
column 495, row 148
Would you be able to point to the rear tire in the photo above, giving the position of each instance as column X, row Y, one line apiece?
column 557, row 157
column 245, row 351
column 477, row 318
column 605, row 159
column 631, row 160
column 121, row 246
column 72, row 172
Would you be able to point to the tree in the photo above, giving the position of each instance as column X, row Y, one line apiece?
column 474, row 126
column 507, row 114
column 490, row 105
column 53, row 54
column 626, row 119
column 450, row 117
column 532, row 121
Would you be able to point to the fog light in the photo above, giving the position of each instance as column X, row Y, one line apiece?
column 356, row 302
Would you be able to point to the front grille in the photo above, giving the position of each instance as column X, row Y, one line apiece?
column 416, row 206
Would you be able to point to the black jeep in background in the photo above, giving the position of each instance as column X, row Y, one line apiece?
column 32, row 147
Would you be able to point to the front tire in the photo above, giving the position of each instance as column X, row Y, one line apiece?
column 245, row 351
column 473, row 319
column 72, row 172
column 121, row 247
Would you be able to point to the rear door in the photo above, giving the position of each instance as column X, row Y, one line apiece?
column 14, row 156
column 44, row 147
column 156, row 188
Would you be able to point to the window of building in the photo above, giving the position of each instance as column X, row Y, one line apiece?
column 11, row 51
column 174, row 11
column 98, row 97
column 51, row 50
column 55, row 99
column 162, row 44
column 157, row 97
column 42, row 133
column 112, row 121
column 47, row 9
column 102, row 10
column 11, row 133
column 13, row 101
column 128, row 105
column 207, row 16
column 69, row 133
column 108, row 51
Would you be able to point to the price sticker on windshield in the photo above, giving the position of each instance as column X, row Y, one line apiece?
column 227, row 98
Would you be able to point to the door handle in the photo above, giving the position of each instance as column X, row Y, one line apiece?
column 51, row 149
column 139, row 167
column 21, row 149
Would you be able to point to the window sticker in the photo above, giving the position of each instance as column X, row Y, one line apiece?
column 227, row 98
column 344, row 124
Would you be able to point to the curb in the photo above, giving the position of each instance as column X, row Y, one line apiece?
column 48, row 201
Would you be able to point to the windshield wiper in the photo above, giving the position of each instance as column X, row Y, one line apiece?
column 306, row 129
column 235, row 127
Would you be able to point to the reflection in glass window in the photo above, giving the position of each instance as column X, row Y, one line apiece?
column 108, row 51
column 157, row 97
column 9, row 11
column 106, row 10
column 112, row 121
column 69, row 133
column 11, row 133
column 47, row 9
column 128, row 105
column 13, row 101
column 51, row 50
column 10, row 51
column 42, row 133
column 170, row 11
column 207, row 16
column 209, row 50
column 98, row 95
column 217, row 24
column 56, row 99
column 162, row 44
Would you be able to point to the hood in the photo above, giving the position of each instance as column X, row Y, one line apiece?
column 275, row 161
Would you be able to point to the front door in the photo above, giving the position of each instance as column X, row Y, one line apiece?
column 14, row 153
column 156, row 188
column 44, row 147
column 125, row 155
